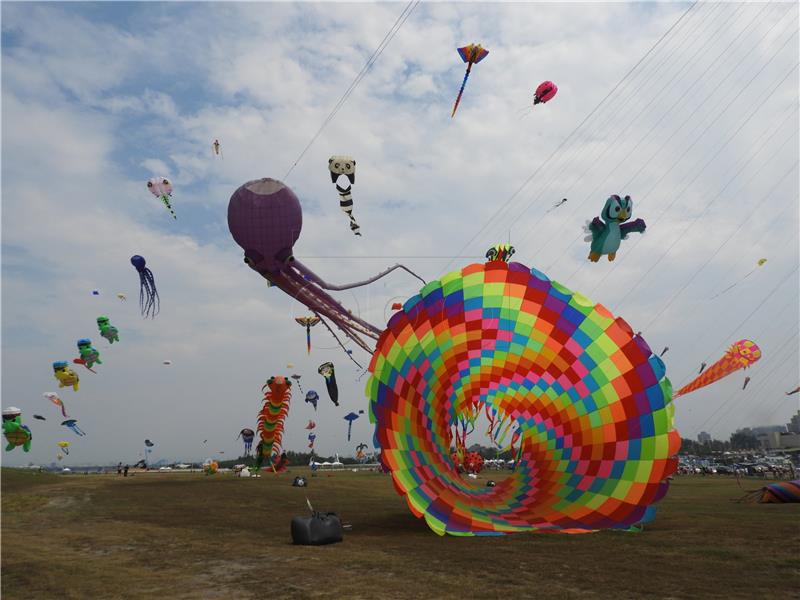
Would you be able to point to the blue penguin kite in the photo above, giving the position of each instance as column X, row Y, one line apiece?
column 607, row 231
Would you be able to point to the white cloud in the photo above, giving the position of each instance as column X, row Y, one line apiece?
column 91, row 109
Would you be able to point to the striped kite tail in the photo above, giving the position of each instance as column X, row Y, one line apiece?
column 461, row 91
column 346, row 204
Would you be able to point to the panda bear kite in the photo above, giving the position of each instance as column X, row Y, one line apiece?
column 344, row 165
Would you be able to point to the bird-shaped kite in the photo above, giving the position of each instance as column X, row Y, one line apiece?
column 308, row 323
column 545, row 92
column 702, row 368
column 39, row 418
column 607, row 231
column 161, row 188
column 740, row 355
column 556, row 205
column 53, row 397
column 472, row 55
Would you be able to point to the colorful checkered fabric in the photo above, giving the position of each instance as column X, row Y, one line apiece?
column 591, row 402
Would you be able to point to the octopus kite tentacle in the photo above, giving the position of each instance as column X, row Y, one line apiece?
column 265, row 218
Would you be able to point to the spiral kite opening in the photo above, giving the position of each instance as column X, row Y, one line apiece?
column 590, row 400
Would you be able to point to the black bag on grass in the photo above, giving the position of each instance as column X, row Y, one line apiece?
column 318, row 529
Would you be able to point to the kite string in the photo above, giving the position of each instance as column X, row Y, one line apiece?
column 336, row 337
column 525, row 183
column 696, row 138
column 613, row 143
column 399, row 22
column 725, row 341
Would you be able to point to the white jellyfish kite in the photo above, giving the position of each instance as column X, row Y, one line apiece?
column 161, row 188
column 345, row 165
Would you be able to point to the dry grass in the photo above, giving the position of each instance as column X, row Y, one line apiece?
column 189, row 536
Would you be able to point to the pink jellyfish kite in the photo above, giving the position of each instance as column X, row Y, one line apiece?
column 161, row 188
column 545, row 92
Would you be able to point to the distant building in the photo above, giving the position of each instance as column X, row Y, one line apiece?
column 790, row 440
column 767, row 429
column 777, row 440
column 769, row 440
column 794, row 423
column 704, row 437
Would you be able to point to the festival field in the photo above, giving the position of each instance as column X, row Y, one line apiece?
column 191, row 536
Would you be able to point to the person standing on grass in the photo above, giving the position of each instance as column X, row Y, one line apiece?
column 119, row 469
column 126, row 471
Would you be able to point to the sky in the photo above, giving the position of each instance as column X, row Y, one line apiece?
column 700, row 130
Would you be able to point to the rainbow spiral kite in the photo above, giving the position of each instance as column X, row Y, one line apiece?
column 590, row 400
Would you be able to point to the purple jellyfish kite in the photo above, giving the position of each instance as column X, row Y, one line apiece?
column 149, row 302
column 73, row 425
column 265, row 219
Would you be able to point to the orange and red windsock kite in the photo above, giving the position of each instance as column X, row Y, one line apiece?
column 740, row 355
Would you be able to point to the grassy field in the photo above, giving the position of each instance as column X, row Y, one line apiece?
column 181, row 536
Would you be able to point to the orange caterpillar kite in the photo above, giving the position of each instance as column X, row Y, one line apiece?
column 270, row 422
column 740, row 355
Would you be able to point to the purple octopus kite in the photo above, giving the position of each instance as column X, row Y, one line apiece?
column 265, row 219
